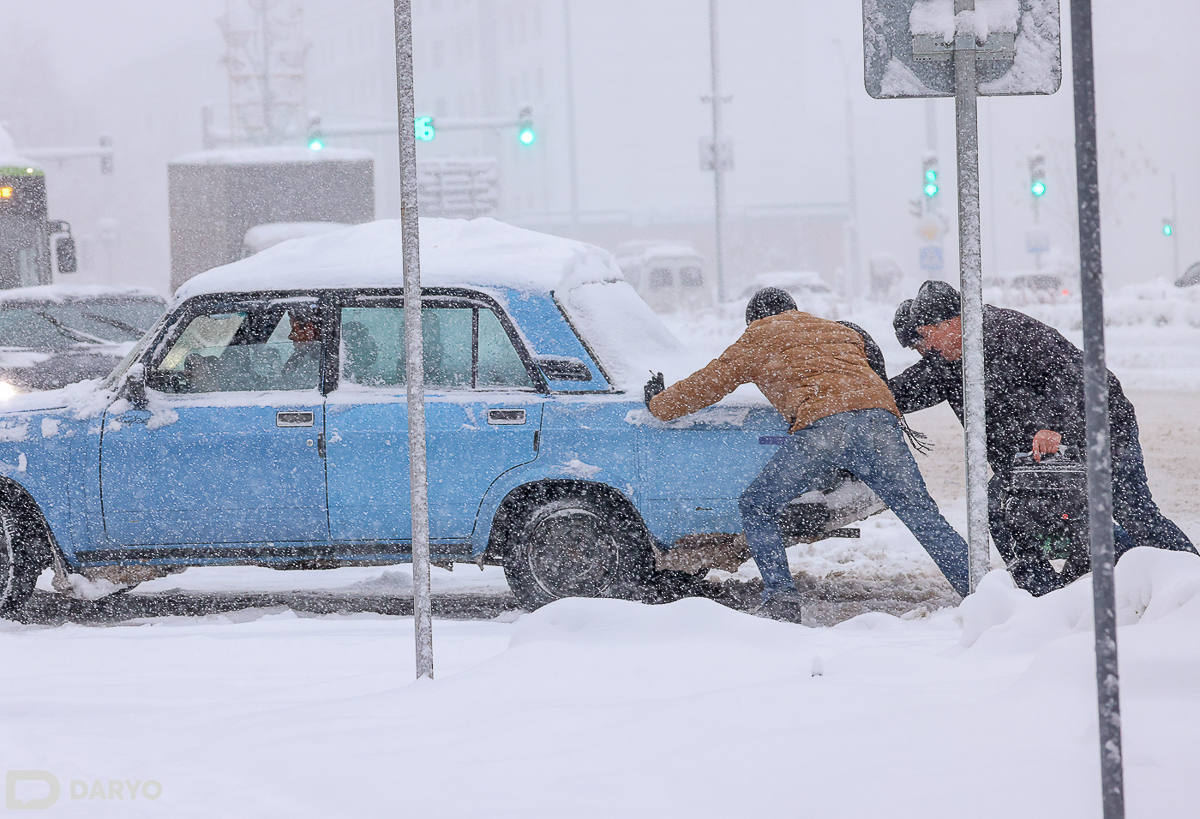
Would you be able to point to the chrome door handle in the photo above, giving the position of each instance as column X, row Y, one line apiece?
column 501, row 417
column 292, row 418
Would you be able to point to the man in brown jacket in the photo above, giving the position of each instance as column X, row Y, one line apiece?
column 840, row 414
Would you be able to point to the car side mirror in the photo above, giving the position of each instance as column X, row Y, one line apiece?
column 133, row 387
column 563, row 368
column 64, row 252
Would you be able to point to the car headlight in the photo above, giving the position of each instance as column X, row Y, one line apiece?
column 7, row 391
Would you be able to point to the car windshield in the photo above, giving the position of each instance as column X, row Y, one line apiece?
column 31, row 328
column 116, row 321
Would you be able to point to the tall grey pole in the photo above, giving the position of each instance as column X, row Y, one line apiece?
column 855, row 278
column 971, row 285
column 415, row 364
column 718, row 161
column 1095, row 392
column 570, row 83
column 1174, row 232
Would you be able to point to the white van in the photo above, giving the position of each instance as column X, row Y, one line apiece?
column 669, row 276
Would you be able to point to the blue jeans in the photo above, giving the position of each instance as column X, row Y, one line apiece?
column 867, row 443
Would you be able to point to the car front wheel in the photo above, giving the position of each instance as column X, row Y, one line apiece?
column 19, row 565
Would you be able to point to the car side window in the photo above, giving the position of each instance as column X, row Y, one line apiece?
column 264, row 347
column 465, row 347
column 499, row 363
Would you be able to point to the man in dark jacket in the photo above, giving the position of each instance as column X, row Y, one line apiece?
column 1033, row 385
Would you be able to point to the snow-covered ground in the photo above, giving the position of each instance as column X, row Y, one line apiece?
column 601, row 708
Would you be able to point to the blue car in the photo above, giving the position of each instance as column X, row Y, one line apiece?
column 263, row 421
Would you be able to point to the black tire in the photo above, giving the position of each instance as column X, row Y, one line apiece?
column 20, row 562
column 569, row 542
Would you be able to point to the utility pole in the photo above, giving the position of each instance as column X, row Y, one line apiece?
column 720, row 153
column 570, row 83
column 1174, row 228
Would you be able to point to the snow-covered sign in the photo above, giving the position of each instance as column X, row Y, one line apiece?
column 908, row 45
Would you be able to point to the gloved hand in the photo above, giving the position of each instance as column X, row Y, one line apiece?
column 653, row 387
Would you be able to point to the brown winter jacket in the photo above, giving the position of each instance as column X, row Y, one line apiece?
column 808, row 368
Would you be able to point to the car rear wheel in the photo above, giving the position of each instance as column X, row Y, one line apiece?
column 567, row 544
column 19, row 564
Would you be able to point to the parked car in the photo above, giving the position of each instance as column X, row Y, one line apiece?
column 51, row 336
column 263, row 421
column 809, row 290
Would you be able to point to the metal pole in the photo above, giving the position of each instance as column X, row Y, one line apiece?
column 570, row 83
column 1095, row 390
column 415, row 365
column 718, row 165
column 971, row 285
column 855, row 277
column 1174, row 232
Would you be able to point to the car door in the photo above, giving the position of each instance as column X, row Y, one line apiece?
column 230, row 447
column 483, row 415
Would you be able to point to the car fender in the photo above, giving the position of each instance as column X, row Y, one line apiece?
column 581, row 440
column 35, row 458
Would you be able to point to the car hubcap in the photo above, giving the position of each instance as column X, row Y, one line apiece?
column 571, row 553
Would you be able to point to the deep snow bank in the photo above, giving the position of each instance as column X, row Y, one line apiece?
column 1151, row 585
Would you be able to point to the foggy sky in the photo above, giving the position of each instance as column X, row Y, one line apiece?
column 140, row 70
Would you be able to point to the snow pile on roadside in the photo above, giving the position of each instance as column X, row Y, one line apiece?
column 1152, row 585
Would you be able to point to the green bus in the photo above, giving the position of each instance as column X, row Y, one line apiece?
column 25, row 231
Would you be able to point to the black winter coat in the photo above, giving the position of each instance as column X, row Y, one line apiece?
column 1033, row 380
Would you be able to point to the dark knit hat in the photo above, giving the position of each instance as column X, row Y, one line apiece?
column 935, row 302
column 770, row 301
column 902, row 323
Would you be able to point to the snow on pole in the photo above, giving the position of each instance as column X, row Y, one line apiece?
column 1095, row 390
column 971, row 285
column 415, row 365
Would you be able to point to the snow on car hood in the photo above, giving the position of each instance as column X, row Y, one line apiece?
column 621, row 329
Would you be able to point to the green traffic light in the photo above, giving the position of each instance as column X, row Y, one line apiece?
column 1038, row 187
column 526, row 136
column 316, row 144
column 931, row 189
column 1167, row 229
column 931, row 175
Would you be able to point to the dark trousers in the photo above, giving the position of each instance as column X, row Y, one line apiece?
column 1137, row 519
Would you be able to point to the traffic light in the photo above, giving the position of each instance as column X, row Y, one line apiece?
column 1168, row 228
column 931, row 175
column 525, row 132
column 315, row 140
column 423, row 129
column 1037, row 175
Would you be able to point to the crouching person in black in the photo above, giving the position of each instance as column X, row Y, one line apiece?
column 1033, row 385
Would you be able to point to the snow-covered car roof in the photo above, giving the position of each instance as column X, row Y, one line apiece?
column 61, row 294
column 621, row 329
column 454, row 253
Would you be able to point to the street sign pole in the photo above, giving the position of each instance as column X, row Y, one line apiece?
column 1095, row 392
column 415, row 366
column 971, row 285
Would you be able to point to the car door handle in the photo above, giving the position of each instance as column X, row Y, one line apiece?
column 292, row 418
column 506, row 416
